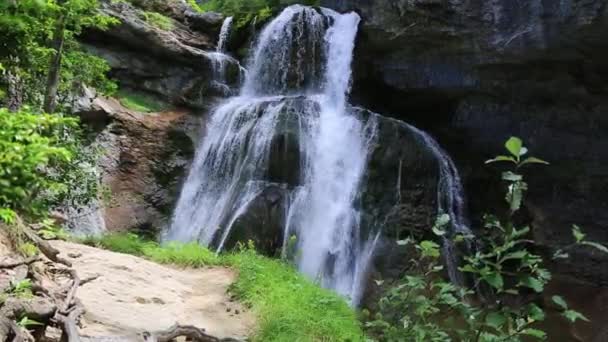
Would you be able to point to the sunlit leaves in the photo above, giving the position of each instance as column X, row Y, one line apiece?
column 29, row 144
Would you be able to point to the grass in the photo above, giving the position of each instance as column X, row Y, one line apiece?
column 289, row 307
column 140, row 102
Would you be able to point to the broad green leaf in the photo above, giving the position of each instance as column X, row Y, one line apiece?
column 560, row 302
column 495, row 320
column 533, row 160
column 495, row 279
column 579, row 236
column 596, row 246
column 429, row 249
column 532, row 283
column 535, row 333
column 573, row 316
column 515, row 255
column 535, row 312
column 514, row 146
column 500, row 159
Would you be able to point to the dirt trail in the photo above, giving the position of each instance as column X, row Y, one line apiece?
column 132, row 295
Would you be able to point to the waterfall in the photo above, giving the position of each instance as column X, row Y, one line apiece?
column 295, row 94
column 224, row 35
column 220, row 59
column 450, row 201
column 299, row 72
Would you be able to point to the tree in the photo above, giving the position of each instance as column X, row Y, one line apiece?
column 37, row 62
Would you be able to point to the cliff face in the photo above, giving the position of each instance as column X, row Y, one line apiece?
column 475, row 72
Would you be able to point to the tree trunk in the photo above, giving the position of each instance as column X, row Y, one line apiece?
column 52, row 85
column 15, row 90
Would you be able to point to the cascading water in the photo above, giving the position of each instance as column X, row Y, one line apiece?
column 219, row 58
column 450, row 201
column 224, row 35
column 296, row 86
column 302, row 63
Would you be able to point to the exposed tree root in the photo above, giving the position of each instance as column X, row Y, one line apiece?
column 190, row 332
column 57, row 305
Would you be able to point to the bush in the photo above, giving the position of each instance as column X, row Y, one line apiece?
column 32, row 146
column 425, row 307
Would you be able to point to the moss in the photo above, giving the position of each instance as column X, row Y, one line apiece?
column 289, row 307
column 140, row 102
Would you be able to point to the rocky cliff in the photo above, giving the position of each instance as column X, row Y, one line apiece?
column 476, row 72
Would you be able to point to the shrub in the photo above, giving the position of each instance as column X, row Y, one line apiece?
column 425, row 307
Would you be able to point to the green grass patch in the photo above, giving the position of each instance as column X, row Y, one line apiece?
column 140, row 102
column 289, row 307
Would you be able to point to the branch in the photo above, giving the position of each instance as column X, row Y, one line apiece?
column 190, row 332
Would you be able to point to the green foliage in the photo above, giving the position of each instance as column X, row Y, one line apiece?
column 26, row 322
column 140, row 102
column 289, row 307
column 30, row 145
column 158, row 20
column 28, row 25
column 21, row 289
column 425, row 307
column 245, row 11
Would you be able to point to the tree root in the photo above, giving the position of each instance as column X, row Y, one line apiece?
column 191, row 332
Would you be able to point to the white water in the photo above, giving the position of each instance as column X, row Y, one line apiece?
column 450, row 201
column 300, row 70
column 224, row 35
column 302, row 56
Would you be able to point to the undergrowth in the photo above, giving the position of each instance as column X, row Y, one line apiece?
column 140, row 102
column 289, row 307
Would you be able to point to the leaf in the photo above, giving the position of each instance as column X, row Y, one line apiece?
column 560, row 302
column 573, row 316
column 579, row 236
column 532, row 283
column 535, row 312
column 533, row 160
column 515, row 255
column 560, row 254
column 442, row 220
column 595, row 245
column 523, row 151
column 404, row 242
column 535, row 333
column 495, row 279
column 495, row 320
column 514, row 146
column 438, row 231
column 500, row 159
column 512, row 177
column 429, row 249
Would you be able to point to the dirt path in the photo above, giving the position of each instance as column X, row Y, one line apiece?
column 132, row 295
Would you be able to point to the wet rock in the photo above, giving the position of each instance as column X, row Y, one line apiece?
column 178, row 65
